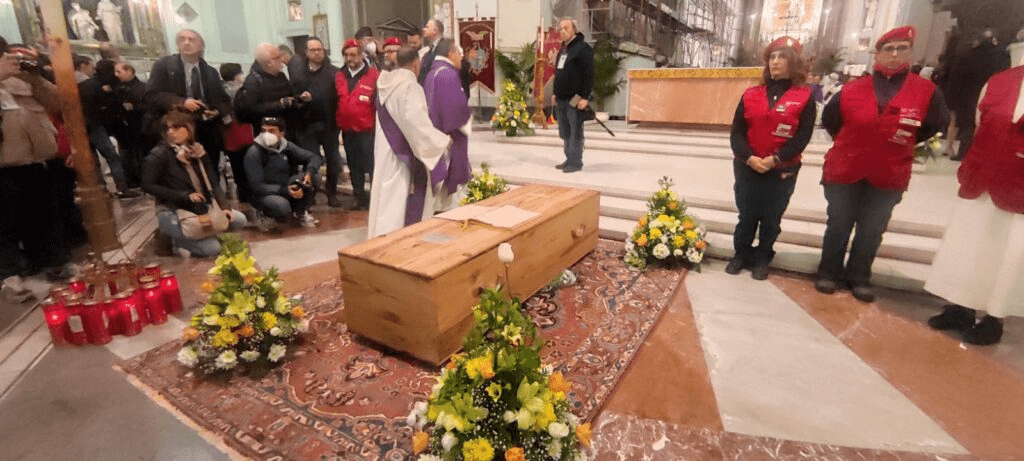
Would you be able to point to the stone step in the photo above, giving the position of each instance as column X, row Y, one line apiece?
column 892, row 273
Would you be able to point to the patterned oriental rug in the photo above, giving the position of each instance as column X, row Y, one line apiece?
column 338, row 397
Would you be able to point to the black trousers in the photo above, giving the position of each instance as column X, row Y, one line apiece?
column 761, row 199
column 313, row 139
column 865, row 207
column 237, row 161
column 29, row 228
column 359, row 152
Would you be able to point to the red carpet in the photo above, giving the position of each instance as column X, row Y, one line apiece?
column 338, row 397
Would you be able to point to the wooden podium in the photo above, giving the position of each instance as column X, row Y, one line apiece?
column 414, row 289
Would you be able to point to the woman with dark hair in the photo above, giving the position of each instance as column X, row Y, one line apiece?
column 178, row 173
column 774, row 122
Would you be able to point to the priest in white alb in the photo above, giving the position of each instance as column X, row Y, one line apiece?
column 406, row 149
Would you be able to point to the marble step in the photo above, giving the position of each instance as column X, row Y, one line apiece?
column 818, row 146
column 892, row 273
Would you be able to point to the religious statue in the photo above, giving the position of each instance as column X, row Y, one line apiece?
column 81, row 22
column 110, row 15
column 871, row 7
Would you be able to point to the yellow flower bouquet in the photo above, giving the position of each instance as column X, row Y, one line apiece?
column 495, row 401
column 246, row 321
column 483, row 185
column 666, row 234
column 511, row 116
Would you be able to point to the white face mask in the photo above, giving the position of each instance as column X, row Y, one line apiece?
column 269, row 139
column 371, row 48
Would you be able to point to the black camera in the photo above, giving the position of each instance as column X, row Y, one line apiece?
column 28, row 65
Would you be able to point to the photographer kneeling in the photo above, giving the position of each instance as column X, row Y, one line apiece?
column 192, row 207
column 281, row 175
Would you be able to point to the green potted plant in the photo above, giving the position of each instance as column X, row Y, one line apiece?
column 607, row 64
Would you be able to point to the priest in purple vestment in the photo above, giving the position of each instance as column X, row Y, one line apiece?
column 449, row 112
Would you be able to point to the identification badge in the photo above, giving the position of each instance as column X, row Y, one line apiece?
column 783, row 131
column 909, row 122
column 134, row 314
column 75, row 324
column 902, row 137
column 364, row 98
column 561, row 62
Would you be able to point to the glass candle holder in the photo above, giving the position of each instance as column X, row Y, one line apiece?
column 153, row 302
column 131, row 319
column 94, row 319
column 171, row 293
column 75, row 331
column 56, row 320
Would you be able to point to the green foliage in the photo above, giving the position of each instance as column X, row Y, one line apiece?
column 829, row 60
column 607, row 64
column 484, row 185
column 518, row 67
column 511, row 116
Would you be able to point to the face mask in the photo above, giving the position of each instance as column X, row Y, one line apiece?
column 269, row 139
column 371, row 48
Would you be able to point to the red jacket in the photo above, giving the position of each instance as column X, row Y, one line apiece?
column 356, row 111
column 769, row 128
column 873, row 145
column 995, row 163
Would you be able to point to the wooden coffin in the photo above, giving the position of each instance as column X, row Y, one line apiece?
column 413, row 290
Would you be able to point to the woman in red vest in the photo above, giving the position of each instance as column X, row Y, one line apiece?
column 774, row 122
column 875, row 122
column 980, row 263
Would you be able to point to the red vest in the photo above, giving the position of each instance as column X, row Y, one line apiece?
column 770, row 127
column 995, row 163
column 873, row 145
column 356, row 112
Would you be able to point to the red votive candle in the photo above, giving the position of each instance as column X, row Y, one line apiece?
column 131, row 320
column 140, row 299
column 77, row 285
column 56, row 319
column 153, row 302
column 151, row 270
column 75, row 330
column 112, row 281
column 171, row 293
column 59, row 293
column 94, row 319
column 115, row 325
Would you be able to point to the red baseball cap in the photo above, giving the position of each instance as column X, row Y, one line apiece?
column 392, row 41
column 782, row 42
column 350, row 43
column 899, row 34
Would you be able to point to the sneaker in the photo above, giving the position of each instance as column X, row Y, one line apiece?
column 306, row 219
column 863, row 293
column 954, row 317
column 264, row 223
column 14, row 289
column 735, row 266
column 987, row 332
column 823, row 285
column 760, row 271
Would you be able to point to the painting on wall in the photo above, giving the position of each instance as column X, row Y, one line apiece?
column 133, row 26
column 294, row 10
column 320, row 31
column 444, row 11
column 796, row 18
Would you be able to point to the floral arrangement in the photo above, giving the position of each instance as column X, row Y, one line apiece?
column 494, row 401
column 511, row 115
column 665, row 233
column 246, row 318
column 483, row 185
column 929, row 148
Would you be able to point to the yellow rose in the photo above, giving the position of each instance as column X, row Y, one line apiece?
column 420, row 441
column 190, row 334
column 515, row 454
column 557, row 382
column 583, row 433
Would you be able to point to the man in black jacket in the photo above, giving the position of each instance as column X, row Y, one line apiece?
column 574, row 81
column 433, row 32
column 129, row 92
column 969, row 75
column 267, row 92
column 313, row 81
column 185, row 79
column 281, row 175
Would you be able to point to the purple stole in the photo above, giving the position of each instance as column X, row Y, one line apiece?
column 449, row 111
column 400, row 146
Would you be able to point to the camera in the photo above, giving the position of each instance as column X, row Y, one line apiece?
column 27, row 64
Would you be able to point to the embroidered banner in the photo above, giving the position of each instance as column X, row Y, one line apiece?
column 476, row 36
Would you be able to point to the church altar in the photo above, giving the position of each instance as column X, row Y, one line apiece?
column 688, row 96
column 413, row 290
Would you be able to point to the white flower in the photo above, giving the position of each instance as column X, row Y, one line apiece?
column 630, row 245
column 660, row 251
column 555, row 448
column 508, row 416
column 573, row 420
column 448, row 441
column 655, row 223
column 303, row 326
column 694, row 256
column 664, row 238
column 505, row 254
column 514, row 123
column 188, row 357
column 250, row 356
column 677, row 252
column 261, row 302
column 277, row 284
column 276, row 331
column 226, row 360
column 558, row 430
column 429, row 458
column 276, row 352
column 525, row 418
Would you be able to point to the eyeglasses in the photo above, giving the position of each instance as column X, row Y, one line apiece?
column 315, row 50
column 897, row 48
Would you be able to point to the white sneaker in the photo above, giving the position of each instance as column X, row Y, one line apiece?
column 306, row 219
column 14, row 289
column 263, row 222
column 185, row 254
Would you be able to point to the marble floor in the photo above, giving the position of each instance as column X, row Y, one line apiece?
column 735, row 369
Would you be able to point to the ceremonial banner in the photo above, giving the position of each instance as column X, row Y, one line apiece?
column 476, row 36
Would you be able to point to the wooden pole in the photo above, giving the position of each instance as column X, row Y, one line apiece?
column 95, row 203
column 540, row 63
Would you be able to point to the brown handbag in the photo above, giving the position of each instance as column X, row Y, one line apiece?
column 201, row 226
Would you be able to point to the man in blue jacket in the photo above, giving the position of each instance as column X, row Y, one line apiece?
column 574, row 81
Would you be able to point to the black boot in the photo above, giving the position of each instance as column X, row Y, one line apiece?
column 954, row 317
column 988, row 331
column 735, row 265
column 760, row 271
